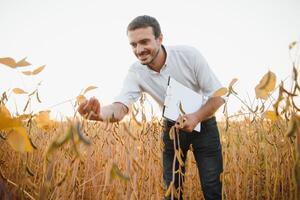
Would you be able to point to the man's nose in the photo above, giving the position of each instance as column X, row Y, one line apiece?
column 139, row 49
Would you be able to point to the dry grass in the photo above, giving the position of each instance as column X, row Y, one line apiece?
column 261, row 151
column 258, row 164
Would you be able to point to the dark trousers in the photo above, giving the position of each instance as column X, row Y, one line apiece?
column 207, row 152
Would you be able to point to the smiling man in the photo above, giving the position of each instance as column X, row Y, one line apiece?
column 185, row 64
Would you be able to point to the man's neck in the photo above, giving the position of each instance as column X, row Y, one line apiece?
column 159, row 61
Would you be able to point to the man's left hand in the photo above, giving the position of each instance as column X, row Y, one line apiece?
column 187, row 122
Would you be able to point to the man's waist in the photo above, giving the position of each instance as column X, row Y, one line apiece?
column 170, row 123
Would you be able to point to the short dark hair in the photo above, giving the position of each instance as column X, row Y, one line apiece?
column 145, row 21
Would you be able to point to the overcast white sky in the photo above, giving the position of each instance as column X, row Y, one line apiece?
column 84, row 42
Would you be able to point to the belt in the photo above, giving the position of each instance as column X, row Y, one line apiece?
column 171, row 123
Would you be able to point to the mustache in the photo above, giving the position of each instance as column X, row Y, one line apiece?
column 143, row 53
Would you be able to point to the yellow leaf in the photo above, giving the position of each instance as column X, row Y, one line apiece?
column 268, row 81
column 34, row 72
column 38, row 70
column 19, row 91
column 266, row 85
column 263, row 94
column 220, row 92
column 28, row 73
column 10, row 62
column 22, row 63
column 4, row 111
column 24, row 117
column 89, row 88
column 17, row 137
column 271, row 115
column 43, row 121
column 19, row 140
column 8, row 123
column 80, row 98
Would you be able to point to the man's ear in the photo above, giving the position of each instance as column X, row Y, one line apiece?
column 160, row 38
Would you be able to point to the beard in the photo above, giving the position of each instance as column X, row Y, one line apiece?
column 152, row 57
column 145, row 57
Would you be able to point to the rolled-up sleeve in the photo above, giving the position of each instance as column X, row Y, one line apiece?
column 130, row 91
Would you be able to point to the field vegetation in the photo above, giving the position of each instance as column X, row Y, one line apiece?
column 41, row 158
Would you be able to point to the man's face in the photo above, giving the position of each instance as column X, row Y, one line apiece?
column 144, row 45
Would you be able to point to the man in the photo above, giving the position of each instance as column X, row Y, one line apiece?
column 150, row 74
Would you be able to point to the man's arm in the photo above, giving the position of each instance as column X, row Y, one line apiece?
column 113, row 112
column 207, row 110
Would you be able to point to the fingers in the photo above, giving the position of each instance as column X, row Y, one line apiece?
column 82, row 107
column 90, row 107
column 185, row 123
column 96, row 106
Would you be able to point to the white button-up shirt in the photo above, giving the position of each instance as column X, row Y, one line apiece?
column 183, row 63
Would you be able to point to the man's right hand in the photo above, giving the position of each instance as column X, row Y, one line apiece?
column 90, row 109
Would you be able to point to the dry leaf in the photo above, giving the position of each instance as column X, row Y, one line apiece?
column 89, row 89
column 43, row 121
column 80, row 98
column 34, row 72
column 19, row 91
column 266, row 85
column 17, row 136
column 271, row 115
column 220, row 92
column 28, row 73
column 24, row 117
column 263, row 94
column 23, row 63
column 38, row 70
column 8, row 122
column 268, row 82
column 19, row 140
column 10, row 62
column 4, row 112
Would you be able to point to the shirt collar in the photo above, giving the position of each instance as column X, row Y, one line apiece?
column 167, row 58
column 164, row 67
